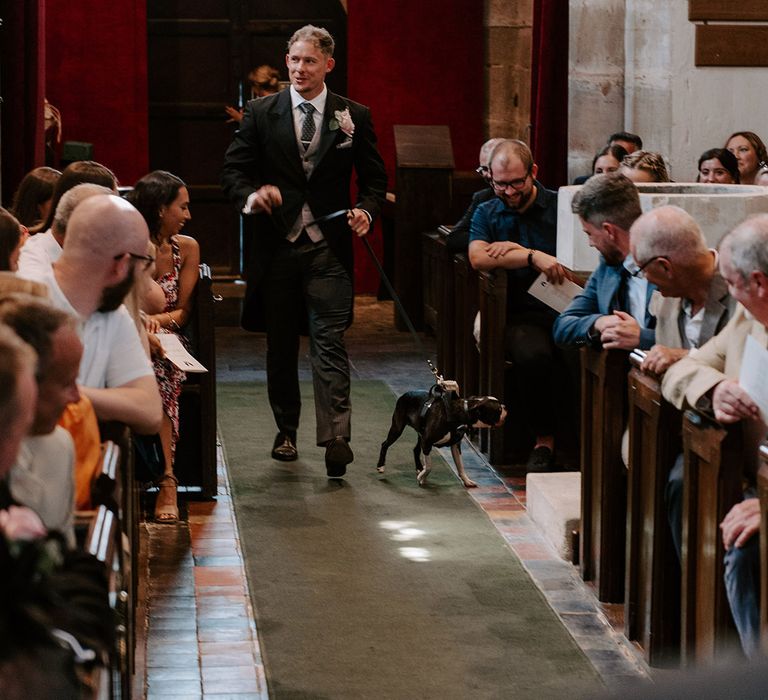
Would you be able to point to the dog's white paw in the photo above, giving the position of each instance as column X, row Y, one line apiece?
column 421, row 477
column 380, row 470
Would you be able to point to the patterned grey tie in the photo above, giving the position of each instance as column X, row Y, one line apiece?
column 308, row 126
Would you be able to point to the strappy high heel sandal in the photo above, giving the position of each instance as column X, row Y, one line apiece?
column 166, row 505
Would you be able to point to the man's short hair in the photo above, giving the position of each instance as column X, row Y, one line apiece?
column 71, row 198
column 16, row 357
column 628, row 137
column 748, row 246
column 486, row 150
column 319, row 37
column 35, row 321
column 512, row 147
column 611, row 198
column 671, row 232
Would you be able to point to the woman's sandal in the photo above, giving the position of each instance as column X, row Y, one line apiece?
column 167, row 512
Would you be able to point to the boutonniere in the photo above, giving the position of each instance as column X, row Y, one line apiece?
column 342, row 120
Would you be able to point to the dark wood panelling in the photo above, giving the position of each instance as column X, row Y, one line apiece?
column 724, row 11
column 731, row 45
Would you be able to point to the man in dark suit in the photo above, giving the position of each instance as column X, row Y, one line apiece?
column 290, row 164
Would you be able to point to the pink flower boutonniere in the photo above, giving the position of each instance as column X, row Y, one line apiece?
column 342, row 120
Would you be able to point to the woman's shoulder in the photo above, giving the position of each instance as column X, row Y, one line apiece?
column 186, row 243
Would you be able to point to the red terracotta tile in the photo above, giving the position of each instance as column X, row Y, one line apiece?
column 219, row 576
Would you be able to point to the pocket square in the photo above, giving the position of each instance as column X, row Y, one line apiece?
column 345, row 144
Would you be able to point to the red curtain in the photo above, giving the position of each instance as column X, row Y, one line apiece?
column 416, row 63
column 549, row 91
column 22, row 89
column 97, row 77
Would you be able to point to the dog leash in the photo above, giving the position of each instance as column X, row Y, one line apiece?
column 438, row 377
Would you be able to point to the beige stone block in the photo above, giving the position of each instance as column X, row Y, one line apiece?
column 509, row 13
column 508, row 46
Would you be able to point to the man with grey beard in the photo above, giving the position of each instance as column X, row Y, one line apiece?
column 106, row 238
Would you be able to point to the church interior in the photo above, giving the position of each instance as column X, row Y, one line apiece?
column 581, row 309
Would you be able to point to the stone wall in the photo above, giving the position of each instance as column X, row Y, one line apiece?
column 509, row 33
column 632, row 67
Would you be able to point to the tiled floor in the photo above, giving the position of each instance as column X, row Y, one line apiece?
column 201, row 639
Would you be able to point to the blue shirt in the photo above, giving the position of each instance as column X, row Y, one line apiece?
column 535, row 228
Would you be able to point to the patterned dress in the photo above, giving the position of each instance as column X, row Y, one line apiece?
column 169, row 377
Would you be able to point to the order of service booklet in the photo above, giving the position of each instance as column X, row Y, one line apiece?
column 558, row 296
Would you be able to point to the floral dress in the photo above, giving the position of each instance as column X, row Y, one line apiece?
column 169, row 377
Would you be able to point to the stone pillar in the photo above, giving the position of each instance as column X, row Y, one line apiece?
column 596, row 78
column 509, row 33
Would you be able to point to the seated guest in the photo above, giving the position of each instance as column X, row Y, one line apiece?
column 612, row 311
column 708, row 380
column 628, row 141
column 45, row 248
column 691, row 305
column 608, row 160
column 621, row 139
column 750, row 151
column 644, row 166
column 458, row 240
column 517, row 231
column 692, row 302
column 762, row 177
column 18, row 393
column 106, row 239
column 718, row 165
column 43, row 476
column 32, row 200
column 75, row 174
column 12, row 238
column 163, row 201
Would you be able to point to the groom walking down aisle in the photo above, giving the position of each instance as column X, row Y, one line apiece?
column 291, row 165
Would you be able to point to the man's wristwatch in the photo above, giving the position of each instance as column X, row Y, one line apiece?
column 530, row 257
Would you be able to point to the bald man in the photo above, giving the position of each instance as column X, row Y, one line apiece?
column 106, row 239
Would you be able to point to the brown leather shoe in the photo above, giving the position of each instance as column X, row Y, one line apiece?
column 284, row 448
column 338, row 454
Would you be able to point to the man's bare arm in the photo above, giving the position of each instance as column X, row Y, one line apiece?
column 136, row 403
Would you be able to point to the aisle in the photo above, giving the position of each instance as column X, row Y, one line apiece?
column 374, row 587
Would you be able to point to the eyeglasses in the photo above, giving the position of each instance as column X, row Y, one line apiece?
column 639, row 271
column 148, row 259
column 517, row 184
column 482, row 170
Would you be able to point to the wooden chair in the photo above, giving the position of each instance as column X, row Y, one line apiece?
column 712, row 485
column 195, row 462
column 652, row 586
column 437, row 274
column 762, row 492
column 603, row 474
column 465, row 310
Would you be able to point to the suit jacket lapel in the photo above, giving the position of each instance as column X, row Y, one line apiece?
column 715, row 308
column 327, row 137
column 285, row 133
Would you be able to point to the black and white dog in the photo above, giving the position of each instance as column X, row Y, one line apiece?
column 440, row 418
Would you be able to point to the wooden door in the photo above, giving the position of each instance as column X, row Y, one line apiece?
column 200, row 52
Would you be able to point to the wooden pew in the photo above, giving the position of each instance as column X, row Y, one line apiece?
column 603, row 474
column 762, row 492
column 437, row 274
column 195, row 463
column 652, row 586
column 712, row 485
column 103, row 541
column 465, row 310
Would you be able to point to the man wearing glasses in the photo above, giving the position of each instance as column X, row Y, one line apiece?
column 104, row 248
column 517, row 231
column 612, row 311
column 458, row 240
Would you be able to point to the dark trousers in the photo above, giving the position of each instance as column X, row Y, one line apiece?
column 308, row 276
column 529, row 346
